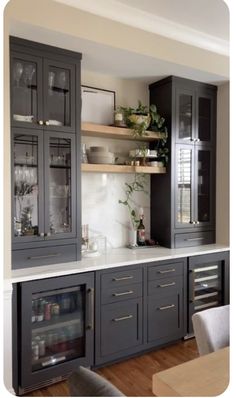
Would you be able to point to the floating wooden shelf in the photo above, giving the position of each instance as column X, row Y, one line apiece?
column 113, row 168
column 99, row 130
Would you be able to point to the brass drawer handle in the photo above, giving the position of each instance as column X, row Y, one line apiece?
column 43, row 256
column 123, row 318
column 167, row 284
column 166, row 307
column 192, row 239
column 122, row 293
column 167, row 270
column 124, row 278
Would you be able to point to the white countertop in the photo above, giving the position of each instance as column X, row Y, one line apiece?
column 114, row 258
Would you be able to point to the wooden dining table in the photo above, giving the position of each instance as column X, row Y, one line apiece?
column 206, row 376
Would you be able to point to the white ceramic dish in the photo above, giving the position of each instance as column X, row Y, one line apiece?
column 55, row 123
column 23, row 118
column 101, row 158
column 98, row 149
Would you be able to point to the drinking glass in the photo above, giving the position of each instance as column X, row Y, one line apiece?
column 17, row 73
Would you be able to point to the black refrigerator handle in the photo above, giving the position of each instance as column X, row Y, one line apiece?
column 191, row 286
column 90, row 309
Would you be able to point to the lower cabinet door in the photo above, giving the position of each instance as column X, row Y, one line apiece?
column 165, row 317
column 121, row 328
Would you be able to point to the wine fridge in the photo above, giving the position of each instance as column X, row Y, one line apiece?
column 207, row 281
column 55, row 333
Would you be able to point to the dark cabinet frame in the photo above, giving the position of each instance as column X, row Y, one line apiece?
column 24, row 293
column 43, row 56
column 165, row 94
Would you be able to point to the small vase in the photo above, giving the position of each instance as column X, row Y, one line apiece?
column 133, row 237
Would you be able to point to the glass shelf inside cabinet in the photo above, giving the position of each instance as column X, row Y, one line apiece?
column 58, row 331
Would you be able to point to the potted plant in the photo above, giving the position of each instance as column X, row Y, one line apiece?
column 138, row 185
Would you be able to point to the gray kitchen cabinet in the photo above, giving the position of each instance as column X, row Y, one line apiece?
column 119, row 313
column 45, row 131
column 183, row 199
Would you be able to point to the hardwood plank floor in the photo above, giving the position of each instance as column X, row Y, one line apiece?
column 133, row 377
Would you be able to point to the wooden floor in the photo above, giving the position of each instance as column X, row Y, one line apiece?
column 133, row 377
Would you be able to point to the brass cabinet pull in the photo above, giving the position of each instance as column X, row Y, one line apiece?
column 167, row 284
column 167, row 270
column 197, row 222
column 43, row 256
column 122, row 293
column 123, row 318
column 166, row 307
column 40, row 122
column 47, row 123
column 192, row 239
column 124, row 278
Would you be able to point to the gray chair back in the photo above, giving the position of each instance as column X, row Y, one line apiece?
column 86, row 383
column 211, row 329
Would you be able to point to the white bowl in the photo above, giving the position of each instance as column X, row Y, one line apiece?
column 101, row 158
column 98, row 149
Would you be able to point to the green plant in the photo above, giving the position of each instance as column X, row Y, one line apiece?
column 157, row 121
column 162, row 151
column 138, row 185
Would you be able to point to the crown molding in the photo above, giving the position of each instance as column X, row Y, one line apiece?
column 140, row 19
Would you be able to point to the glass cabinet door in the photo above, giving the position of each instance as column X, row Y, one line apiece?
column 60, row 185
column 26, row 90
column 184, row 176
column 205, row 118
column 204, row 186
column 185, row 116
column 27, row 185
column 59, row 96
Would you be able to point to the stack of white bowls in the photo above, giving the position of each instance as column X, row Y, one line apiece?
column 100, row 155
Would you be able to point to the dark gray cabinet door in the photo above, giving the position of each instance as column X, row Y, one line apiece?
column 26, row 91
column 60, row 185
column 165, row 316
column 59, row 95
column 121, row 327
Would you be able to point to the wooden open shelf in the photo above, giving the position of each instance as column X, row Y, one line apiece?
column 99, row 130
column 113, row 168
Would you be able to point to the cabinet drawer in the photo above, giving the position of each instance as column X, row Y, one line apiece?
column 121, row 293
column 194, row 239
column 165, row 286
column 121, row 278
column 43, row 256
column 121, row 326
column 164, row 316
column 165, row 271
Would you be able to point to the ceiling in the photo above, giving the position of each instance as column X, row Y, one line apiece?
column 202, row 23
column 109, row 60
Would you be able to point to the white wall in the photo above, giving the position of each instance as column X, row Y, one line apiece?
column 222, row 166
column 101, row 192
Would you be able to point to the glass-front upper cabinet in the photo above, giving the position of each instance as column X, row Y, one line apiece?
column 205, row 120
column 42, row 93
column 59, row 96
column 185, row 105
column 57, row 321
column 26, row 90
column 184, row 184
column 60, row 204
column 27, row 185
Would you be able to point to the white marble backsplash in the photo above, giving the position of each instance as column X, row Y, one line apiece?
column 100, row 199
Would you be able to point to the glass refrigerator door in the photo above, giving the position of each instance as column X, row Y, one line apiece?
column 206, row 287
column 58, row 326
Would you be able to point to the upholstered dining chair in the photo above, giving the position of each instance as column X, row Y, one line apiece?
column 86, row 383
column 211, row 329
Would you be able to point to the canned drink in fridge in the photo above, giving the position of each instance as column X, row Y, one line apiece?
column 35, row 351
column 47, row 311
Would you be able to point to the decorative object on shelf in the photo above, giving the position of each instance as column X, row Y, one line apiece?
column 162, row 152
column 119, row 117
column 85, row 237
column 84, row 157
column 100, row 155
column 138, row 185
column 98, row 105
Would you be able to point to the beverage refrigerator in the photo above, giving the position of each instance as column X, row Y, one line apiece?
column 54, row 332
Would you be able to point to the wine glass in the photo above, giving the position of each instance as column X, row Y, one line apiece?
column 17, row 73
column 29, row 72
column 62, row 79
column 51, row 78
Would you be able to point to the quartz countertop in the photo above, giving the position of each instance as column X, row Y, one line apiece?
column 114, row 258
